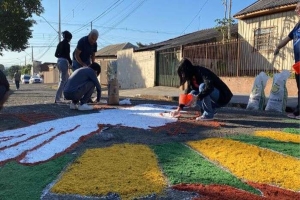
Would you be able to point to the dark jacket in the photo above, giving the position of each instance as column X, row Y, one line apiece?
column 204, row 75
column 63, row 50
column 3, row 81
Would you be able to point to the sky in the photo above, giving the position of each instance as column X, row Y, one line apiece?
column 117, row 21
column 41, row 142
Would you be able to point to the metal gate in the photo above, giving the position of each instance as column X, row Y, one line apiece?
column 166, row 68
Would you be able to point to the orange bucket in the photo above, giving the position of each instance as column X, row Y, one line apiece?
column 296, row 67
column 185, row 98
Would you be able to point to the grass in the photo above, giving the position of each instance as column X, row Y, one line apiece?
column 27, row 182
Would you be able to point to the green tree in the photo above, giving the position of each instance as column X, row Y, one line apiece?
column 26, row 69
column 12, row 70
column 2, row 68
column 16, row 21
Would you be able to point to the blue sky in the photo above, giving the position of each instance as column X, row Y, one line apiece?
column 118, row 21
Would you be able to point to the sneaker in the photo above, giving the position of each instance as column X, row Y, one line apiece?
column 73, row 106
column 292, row 116
column 204, row 118
column 85, row 107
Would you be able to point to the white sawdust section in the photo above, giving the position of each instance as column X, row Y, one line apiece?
column 41, row 142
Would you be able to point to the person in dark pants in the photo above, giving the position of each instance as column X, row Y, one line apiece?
column 84, row 54
column 80, row 87
column 63, row 62
column 205, row 86
column 17, row 78
column 295, row 36
column 4, row 89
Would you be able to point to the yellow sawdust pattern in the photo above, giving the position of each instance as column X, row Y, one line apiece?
column 280, row 136
column 251, row 162
column 128, row 170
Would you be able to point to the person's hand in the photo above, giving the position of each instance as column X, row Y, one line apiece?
column 276, row 51
column 175, row 113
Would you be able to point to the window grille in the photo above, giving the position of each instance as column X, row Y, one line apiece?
column 264, row 39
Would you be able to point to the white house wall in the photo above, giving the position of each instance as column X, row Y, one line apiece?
column 136, row 69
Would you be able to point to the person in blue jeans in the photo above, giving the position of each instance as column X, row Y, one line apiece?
column 80, row 87
column 84, row 54
column 295, row 36
column 62, row 54
column 205, row 86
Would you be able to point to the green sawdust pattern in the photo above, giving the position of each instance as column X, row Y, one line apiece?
column 183, row 165
column 27, row 182
column 288, row 148
column 292, row 130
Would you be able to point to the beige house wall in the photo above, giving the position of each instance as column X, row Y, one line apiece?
column 51, row 76
column 136, row 69
column 283, row 23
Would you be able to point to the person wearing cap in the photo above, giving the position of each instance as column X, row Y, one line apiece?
column 80, row 87
column 205, row 86
column 84, row 54
column 62, row 54
column 4, row 89
column 295, row 36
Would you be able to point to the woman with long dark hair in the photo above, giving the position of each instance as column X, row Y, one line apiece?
column 63, row 62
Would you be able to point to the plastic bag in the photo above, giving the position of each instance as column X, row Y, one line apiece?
column 257, row 97
column 278, row 95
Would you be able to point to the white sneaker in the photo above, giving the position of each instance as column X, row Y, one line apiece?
column 85, row 107
column 73, row 106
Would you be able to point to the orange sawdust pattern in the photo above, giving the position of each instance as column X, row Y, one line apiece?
column 179, row 127
column 33, row 117
column 224, row 192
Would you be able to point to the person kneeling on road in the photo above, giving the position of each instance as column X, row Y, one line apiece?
column 80, row 87
column 205, row 86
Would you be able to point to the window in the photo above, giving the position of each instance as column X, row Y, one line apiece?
column 264, row 39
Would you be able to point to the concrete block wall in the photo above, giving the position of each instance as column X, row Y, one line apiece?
column 135, row 69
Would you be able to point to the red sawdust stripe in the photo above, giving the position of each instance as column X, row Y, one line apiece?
column 80, row 140
column 32, row 117
column 30, row 138
column 225, row 192
column 22, row 155
column 3, row 139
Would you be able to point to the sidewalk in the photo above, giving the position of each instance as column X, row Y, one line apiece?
column 171, row 94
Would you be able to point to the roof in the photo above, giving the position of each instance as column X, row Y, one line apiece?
column 202, row 36
column 265, row 6
column 112, row 50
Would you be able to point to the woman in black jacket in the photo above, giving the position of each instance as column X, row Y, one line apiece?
column 63, row 62
column 205, row 86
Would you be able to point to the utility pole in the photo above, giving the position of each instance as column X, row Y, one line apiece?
column 59, row 25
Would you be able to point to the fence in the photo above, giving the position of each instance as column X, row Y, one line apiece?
column 233, row 59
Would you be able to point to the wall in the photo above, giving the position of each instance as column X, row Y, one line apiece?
column 283, row 23
column 243, row 85
column 51, row 76
column 136, row 69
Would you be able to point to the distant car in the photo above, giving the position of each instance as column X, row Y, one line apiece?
column 25, row 78
column 35, row 79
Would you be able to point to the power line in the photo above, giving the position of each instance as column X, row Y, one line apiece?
column 195, row 17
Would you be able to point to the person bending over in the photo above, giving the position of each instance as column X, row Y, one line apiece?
column 205, row 86
column 80, row 87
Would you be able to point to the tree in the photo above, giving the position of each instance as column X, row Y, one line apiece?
column 2, row 68
column 15, row 23
column 12, row 70
column 223, row 25
column 139, row 44
column 26, row 69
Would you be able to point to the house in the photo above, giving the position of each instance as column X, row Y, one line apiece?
column 263, row 24
column 237, row 61
column 107, row 57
